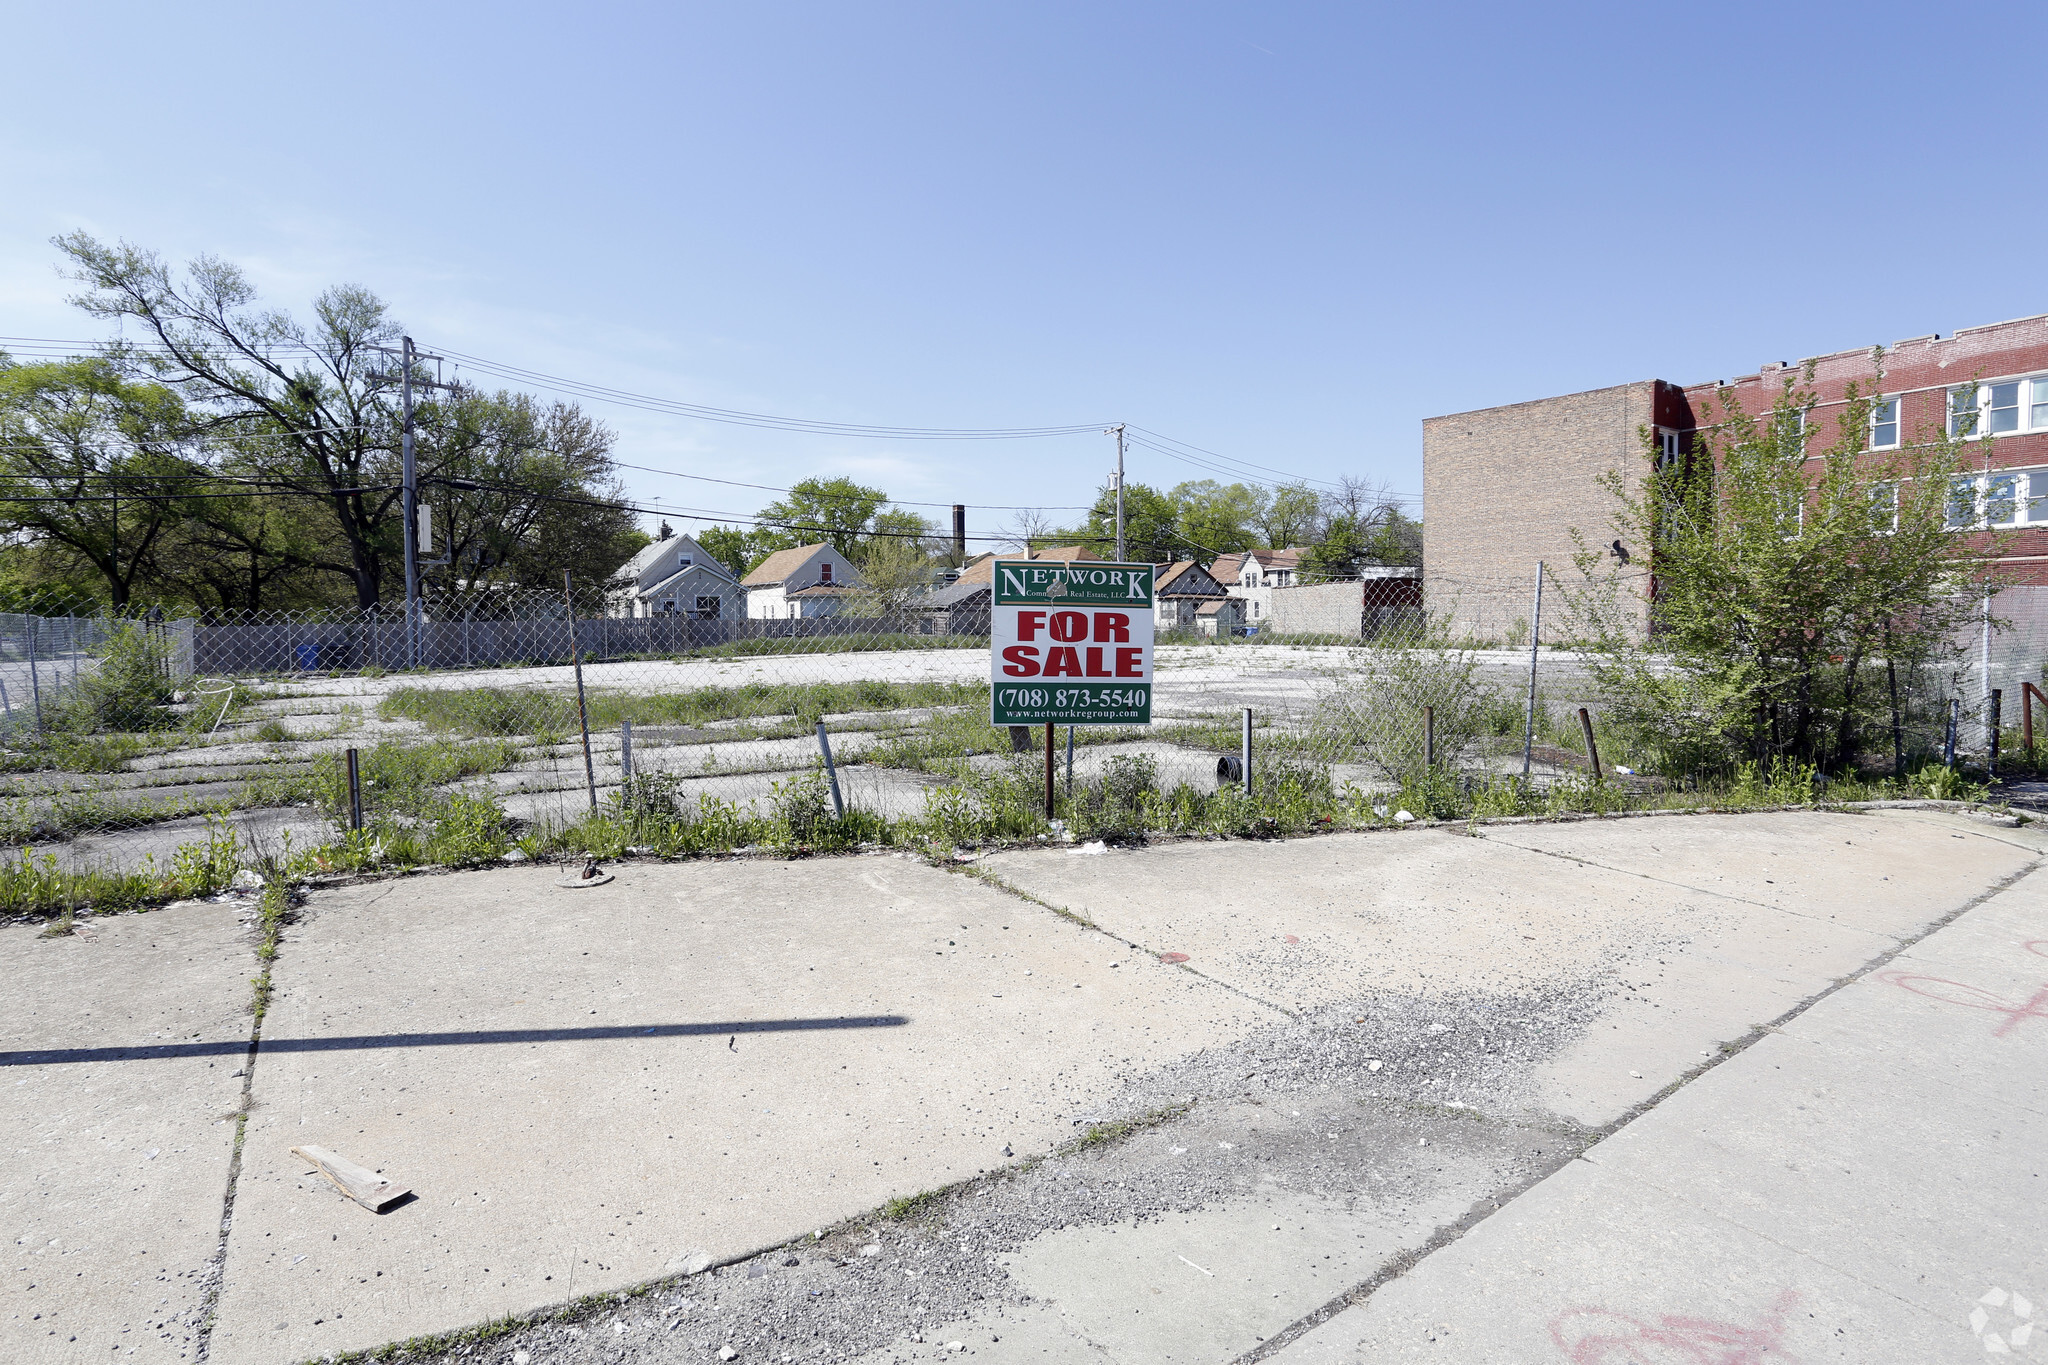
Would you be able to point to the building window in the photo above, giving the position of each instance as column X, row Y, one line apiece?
column 2004, row 408
column 1962, row 504
column 2005, row 497
column 2002, row 499
column 684, row 562
column 707, row 608
column 1884, row 507
column 1668, row 455
column 825, row 572
column 1962, row 411
column 2037, row 417
column 1884, row 423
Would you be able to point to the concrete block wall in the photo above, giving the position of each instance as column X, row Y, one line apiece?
column 1504, row 487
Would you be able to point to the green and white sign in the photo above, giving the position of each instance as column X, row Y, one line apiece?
column 1070, row 644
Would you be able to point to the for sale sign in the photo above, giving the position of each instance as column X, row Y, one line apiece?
column 1070, row 643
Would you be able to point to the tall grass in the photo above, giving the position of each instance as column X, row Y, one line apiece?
column 520, row 711
column 32, row 884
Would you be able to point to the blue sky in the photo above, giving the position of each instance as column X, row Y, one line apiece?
column 1285, row 233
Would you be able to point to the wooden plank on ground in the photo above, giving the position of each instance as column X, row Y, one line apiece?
column 367, row 1188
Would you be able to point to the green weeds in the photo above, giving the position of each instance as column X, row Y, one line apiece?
column 36, row 885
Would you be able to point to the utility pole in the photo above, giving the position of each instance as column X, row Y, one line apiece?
column 411, row 514
column 408, row 356
column 1118, row 432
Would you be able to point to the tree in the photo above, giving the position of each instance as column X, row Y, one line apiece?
column 92, row 464
column 309, row 413
column 852, row 518
column 728, row 545
column 1151, row 526
column 1216, row 519
column 1778, row 579
column 1289, row 517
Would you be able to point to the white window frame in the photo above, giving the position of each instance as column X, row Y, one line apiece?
column 2030, row 499
column 1957, row 414
column 1884, row 507
column 2031, row 397
column 1878, row 406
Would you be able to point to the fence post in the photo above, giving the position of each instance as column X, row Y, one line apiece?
column 1049, row 806
column 626, row 750
column 35, row 681
column 1592, row 749
column 355, row 793
column 2027, row 719
column 1991, row 767
column 1535, row 638
column 831, row 772
column 1245, row 752
column 1429, row 739
column 1891, row 677
column 1948, row 741
column 1070, row 761
column 582, row 708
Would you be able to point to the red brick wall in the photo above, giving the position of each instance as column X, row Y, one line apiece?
column 1922, row 371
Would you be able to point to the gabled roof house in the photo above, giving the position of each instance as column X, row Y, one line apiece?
column 1179, row 590
column 805, row 582
column 674, row 577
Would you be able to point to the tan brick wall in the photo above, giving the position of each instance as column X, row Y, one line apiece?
column 1503, row 488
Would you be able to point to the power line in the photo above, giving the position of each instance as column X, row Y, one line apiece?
column 1186, row 452
column 894, row 502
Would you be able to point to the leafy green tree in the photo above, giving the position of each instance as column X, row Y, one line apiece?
column 93, row 466
column 837, row 511
column 1780, row 580
column 730, row 546
column 1289, row 516
column 310, row 412
column 1217, row 518
column 1151, row 527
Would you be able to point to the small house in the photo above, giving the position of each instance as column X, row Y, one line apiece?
column 803, row 583
column 674, row 577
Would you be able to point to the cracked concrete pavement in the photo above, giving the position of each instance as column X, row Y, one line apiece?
column 1393, row 1069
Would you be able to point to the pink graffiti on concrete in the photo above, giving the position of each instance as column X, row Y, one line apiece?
column 2038, row 947
column 1971, row 997
column 1601, row 1336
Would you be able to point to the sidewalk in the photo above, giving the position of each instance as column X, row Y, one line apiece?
column 1869, row 1183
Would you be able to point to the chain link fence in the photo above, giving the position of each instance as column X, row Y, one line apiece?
column 153, row 755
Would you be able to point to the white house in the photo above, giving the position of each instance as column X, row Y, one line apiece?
column 1252, row 576
column 675, row 577
column 806, row 582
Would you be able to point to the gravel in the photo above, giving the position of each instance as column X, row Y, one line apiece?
column 1382, row 1101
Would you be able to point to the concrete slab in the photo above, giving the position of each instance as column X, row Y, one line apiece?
column 1831, row 1193
column 1596, row 1268
column 1212, row 1284
column 588, row 1089
column 1334, row 920
column 121, row 1053
column 1819, row 864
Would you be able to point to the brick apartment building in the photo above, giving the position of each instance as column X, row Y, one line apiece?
column 1505, row 487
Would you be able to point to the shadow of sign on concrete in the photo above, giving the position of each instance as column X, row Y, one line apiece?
column 473, row 1038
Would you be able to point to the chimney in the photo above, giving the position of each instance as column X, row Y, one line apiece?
column 960, row 530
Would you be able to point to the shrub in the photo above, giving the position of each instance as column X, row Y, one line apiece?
column 129, row 691
column 1378, row 705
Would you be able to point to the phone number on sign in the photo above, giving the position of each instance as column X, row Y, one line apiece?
column 1070, row 698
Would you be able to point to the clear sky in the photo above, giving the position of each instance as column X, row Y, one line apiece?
column 1281, row 232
